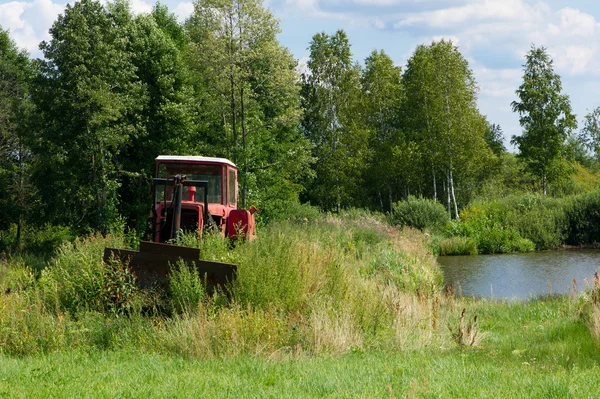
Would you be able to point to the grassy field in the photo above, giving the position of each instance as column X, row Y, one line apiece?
column 323, row 307
column 536, row 350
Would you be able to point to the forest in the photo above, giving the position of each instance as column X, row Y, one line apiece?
column 80, row 128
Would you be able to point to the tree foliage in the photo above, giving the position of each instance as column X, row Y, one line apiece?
column 545, row 115
column 590, row 135
column 383, row 93
column 15, row 112
column 245, row 85
column 331, row 98
column 441, row 114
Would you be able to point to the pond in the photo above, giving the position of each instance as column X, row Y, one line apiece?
column 520, row 276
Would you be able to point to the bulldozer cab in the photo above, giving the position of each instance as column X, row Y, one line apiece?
column 208, row 194
column 189, row 193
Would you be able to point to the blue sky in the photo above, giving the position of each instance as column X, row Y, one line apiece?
column 493, row 35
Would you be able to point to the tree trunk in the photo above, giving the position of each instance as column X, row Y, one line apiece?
column 434, row 183
column 544, row 183
column 448, row 194
column 244, row 153
column 390, row 197
column 452, row 191
column 232, row 90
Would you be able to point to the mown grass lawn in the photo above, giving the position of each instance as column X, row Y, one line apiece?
column 540, row 349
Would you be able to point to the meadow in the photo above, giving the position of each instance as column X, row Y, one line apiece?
column 324, row 306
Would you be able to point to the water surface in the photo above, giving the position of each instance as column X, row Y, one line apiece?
column 520, row 275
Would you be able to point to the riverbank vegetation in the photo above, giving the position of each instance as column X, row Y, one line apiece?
column 515, row 223
column 323, row 305
column 311, row 286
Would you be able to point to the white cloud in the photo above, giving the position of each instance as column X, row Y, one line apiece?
column 140, row 7
column 481, row 11
column 183, row 10
column 29, row 22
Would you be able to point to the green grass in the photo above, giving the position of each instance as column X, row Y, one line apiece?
column 324, row 307
column 540, row 349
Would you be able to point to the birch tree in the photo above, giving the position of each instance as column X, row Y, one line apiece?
column 248, row 98
column 382, row 88
column 331, row 98
column 590, row 134
column 441, row 110
column 545, row 116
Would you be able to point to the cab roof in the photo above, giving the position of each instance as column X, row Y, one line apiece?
column 194, row 158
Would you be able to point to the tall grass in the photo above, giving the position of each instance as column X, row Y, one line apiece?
column 304, row 286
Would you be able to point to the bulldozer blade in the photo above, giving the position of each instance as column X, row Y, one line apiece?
column 152, row 262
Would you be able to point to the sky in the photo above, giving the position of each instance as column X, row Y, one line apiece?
column 493, row 35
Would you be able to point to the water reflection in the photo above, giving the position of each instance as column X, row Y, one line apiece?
column 520, row 275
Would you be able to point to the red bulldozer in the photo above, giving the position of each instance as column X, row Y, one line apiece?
column 190, row 193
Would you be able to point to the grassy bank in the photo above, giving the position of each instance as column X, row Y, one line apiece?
column 541, row 349
column 516, row 223
column 311, row 285
column 323, row 307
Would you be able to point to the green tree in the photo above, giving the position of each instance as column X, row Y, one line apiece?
column 382, row 88
column 89, row 99
column 248, row 100
column 495, row 139
column 419, row 120
column 440, row 111
column 590, row 135
column 157, row 47
column 15, row 156
column 546, row 118
column 331, row 99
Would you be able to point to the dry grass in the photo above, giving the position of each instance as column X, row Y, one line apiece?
column 595, row 310
column 331, row 286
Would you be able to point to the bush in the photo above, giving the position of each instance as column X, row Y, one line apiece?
column 185, row 288
column 458, row 246
column 513, row 224
column 583, row 220
column 420, row 213
column 78, row 280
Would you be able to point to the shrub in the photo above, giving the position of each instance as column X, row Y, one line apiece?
column 513, row 224
column 185, row 287
column 77, row 279
column 583, row 219
column 458, row 246
column 420, row 213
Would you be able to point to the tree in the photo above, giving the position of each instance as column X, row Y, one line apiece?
column 418, row 114
column 545, row 115
column 331, row 99
column 495, row 139
column 89, row 98
column 157, row 47
column 441, row 111
column 382, row 88
column 248, row 100
column 590, row 135
column 15, row 156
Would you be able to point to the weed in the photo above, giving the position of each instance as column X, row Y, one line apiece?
column 465, row 333
column 458, row 246
column 186, row 288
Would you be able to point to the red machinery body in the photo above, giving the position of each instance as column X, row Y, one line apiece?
column 218, row 193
